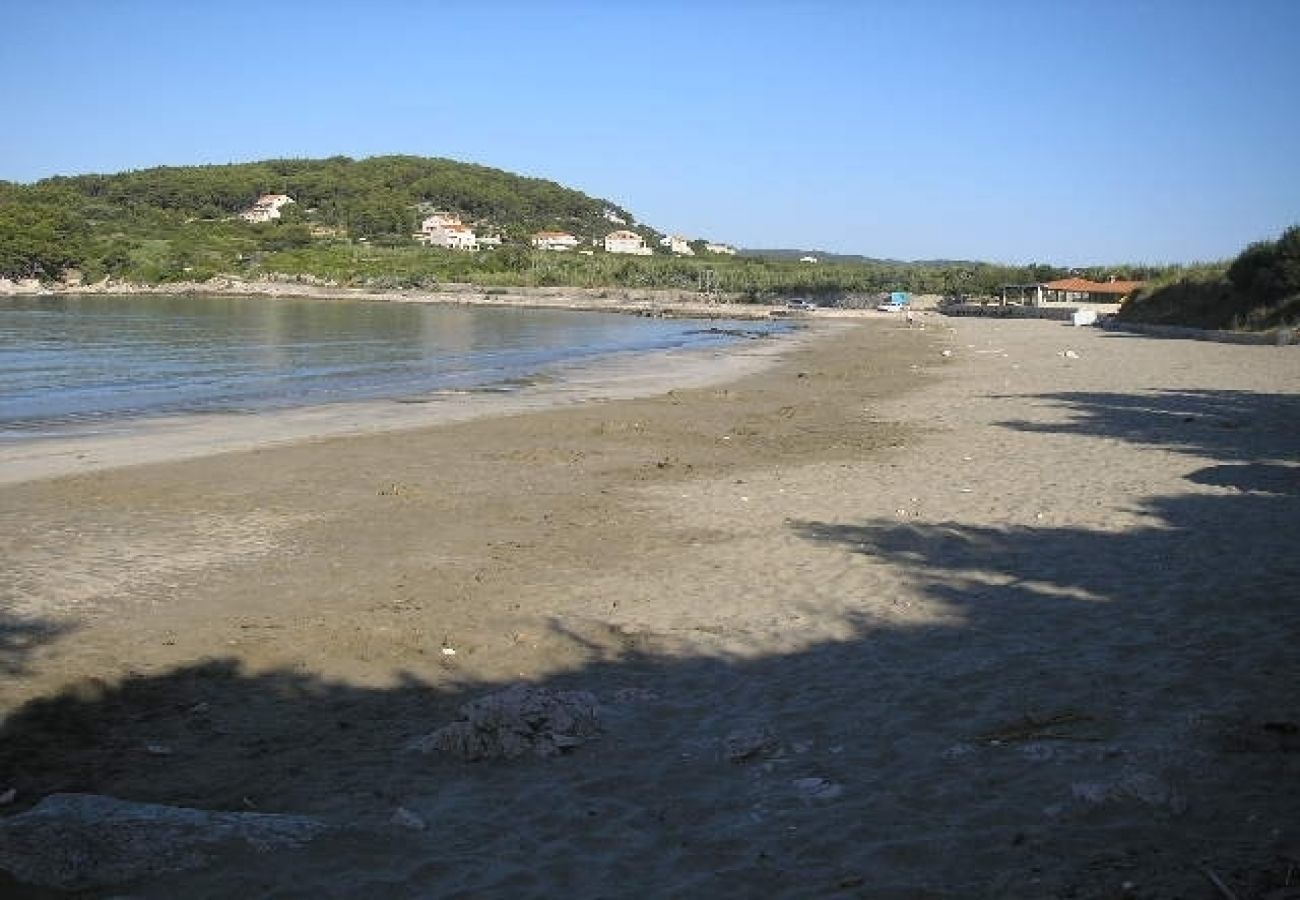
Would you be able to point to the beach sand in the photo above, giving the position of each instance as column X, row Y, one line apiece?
column 866, row 621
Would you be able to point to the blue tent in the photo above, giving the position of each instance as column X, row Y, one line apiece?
column 899, row 298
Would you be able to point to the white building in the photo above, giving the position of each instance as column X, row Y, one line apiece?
column 677, row 244
column 808, row 259
column 266, row 209
column 554, row 240
column 438, row 220
column 626, row 242
column 721, row 248
column 446, row 230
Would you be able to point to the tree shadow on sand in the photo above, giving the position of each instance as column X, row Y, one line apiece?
column 1075, row 709
column 1215, row 424
column 1186, row 625
column 20, row 637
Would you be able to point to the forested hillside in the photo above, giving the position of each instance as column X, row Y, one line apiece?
column 369, row 197
column 113, row 223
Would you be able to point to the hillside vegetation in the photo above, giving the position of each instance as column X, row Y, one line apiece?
column 1258, row 290
column 352, row 222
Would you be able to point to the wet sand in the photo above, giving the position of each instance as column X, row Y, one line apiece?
column 1011, row 624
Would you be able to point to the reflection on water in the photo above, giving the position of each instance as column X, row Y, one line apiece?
column 91, row 360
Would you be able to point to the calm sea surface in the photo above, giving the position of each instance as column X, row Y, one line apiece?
column 91, row 362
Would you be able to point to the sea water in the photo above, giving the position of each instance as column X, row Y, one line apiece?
column 91, row 363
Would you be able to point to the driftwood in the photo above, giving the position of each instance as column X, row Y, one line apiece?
column 1039, row 728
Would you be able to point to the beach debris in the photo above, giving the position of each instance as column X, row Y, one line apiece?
column 86, row 841
column 635, row 695
column 1140, row 786
column 448, row 651
column 817, row 788
column 1070, row 354
column 750, row 742
column 407, row 819
column 945, row 353
column 518, row 721
column 1215, row 880
column 1037, row 752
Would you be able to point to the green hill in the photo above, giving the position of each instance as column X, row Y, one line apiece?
column 371, row 197
column 379, row 195
column 103, row 221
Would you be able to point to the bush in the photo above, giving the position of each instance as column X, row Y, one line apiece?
column 1259, row 290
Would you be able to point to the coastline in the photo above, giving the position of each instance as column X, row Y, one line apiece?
column 873, row 619
column 640, row 302
column 162, row 439
column 634, row 302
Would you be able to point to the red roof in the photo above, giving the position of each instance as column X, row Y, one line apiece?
column 1084, row 286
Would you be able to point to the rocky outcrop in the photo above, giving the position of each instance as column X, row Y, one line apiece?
column 519, row 721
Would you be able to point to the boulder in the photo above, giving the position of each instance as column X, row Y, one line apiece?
column 86, row 841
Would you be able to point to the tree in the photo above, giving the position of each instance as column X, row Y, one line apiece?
column 39, row 240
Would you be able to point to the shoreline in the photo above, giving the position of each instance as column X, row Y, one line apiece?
column 642, row 302
column 616, row 376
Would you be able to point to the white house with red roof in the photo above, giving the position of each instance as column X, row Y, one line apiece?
column 447, row 230
column 554, row 240
column 626, row 242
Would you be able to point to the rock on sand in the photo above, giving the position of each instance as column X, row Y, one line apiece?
column 84, row 841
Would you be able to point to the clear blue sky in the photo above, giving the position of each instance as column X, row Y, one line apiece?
column 1051, row 130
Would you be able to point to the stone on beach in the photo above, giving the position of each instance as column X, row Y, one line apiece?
column 814, row 788
column 84, row 841
column 518, row 721
column 749, row 743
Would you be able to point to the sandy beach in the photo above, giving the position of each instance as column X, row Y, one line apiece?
column 986, row 608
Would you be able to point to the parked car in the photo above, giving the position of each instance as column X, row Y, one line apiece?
column 801, row 304
column 897, row 302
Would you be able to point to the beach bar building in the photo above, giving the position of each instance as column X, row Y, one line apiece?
column 1069, row 290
